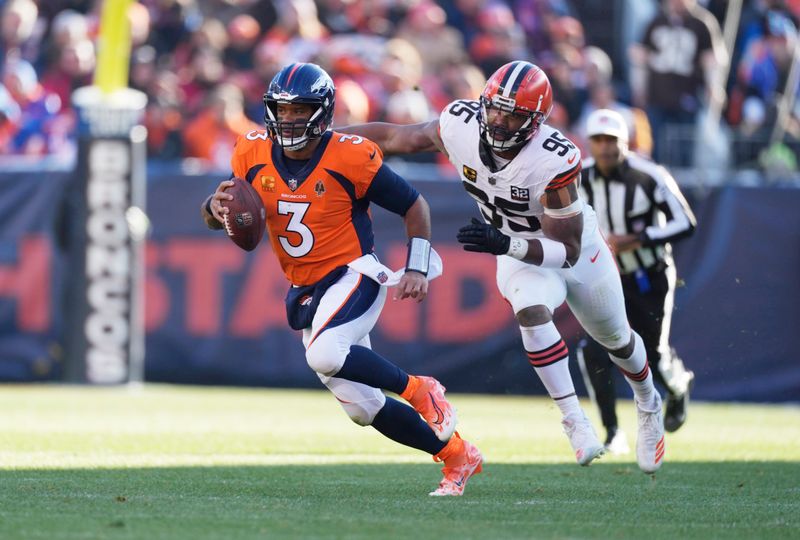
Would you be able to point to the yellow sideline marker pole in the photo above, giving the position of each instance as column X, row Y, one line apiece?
column 114, row 47
column 103, row 343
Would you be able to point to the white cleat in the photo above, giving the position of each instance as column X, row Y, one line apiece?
column 650, row 445
column 618, row 445
column 582, row 437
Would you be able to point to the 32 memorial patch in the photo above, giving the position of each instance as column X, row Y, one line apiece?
column 520, row 194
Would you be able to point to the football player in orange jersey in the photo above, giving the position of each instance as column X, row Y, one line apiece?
column 316, row 186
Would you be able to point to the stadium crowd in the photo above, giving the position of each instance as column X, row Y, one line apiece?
column 206, row 63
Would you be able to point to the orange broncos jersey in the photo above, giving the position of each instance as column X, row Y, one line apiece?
column 317, row 219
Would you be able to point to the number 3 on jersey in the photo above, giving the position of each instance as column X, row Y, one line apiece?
column 296, row 211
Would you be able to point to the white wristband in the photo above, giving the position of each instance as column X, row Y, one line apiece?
column 517, row 248
column 419, row 255
column 554, row 254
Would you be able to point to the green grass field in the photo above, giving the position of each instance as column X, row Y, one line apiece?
column 164, row 462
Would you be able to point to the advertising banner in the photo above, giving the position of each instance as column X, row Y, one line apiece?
column 214, row 314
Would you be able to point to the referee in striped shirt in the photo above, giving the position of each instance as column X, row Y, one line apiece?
column 640, row 211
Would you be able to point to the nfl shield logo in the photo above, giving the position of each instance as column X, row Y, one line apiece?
column 293, row 184
column 382, row 277
column 245, row 219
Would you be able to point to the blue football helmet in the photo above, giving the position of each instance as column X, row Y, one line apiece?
column 299, row 83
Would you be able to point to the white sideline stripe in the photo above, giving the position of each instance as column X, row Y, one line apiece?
column 62, row 460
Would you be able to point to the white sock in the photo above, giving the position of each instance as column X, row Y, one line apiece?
column 548, row 354
column 637, row 372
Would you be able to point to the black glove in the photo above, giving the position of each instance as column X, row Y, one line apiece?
column 484, row 238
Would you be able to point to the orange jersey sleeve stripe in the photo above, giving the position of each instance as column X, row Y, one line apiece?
column 564, row 178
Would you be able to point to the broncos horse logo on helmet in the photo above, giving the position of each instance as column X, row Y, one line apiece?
column 305, row 84
column 518, row 88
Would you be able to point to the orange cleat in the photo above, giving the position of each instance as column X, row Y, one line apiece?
column 461, row 460
column 426, row 395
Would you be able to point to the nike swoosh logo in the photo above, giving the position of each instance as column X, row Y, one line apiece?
column 570, row 160
column 372, row 155
column 439, row 413
column 595, row 256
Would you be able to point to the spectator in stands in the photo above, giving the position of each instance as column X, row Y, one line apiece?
column 565, row 67
column 675, row 70
column 752, row 23
column 299, row 28
column 269, row 57
column 17, row 31
column 765, row 66
column 143, row 68
column 252, row 87
column 597, row 66
column 568, row 30
column 76, row 63
column 407, row 107
column 366, row 17
column 352, row 104
column 499, row 40
column 38, row 109
column 400, row 69
column 456, row 81
column 171, row 23
column 213, row 132
column 9, row 117
column 139, row 20
column 243, row 32
column 205, row 71
column 164, row 117
column 602, row 96
column 211, row 34
column 68, row 27
column 761, row 83
column 438, row 45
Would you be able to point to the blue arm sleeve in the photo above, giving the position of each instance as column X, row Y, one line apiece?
column 391, row 191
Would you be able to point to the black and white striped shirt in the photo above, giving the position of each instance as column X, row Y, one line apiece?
column 639, row 197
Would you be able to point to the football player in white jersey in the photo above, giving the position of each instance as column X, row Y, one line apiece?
column 524, row 175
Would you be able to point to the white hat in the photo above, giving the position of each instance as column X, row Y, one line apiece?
column 607, row 122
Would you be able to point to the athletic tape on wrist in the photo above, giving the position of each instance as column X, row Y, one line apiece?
column 554, row 254
column 517, row 248
column 419, row 255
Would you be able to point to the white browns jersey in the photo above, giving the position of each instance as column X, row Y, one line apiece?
column 510, row 198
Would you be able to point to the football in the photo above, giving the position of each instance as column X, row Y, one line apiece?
column 247, row 217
